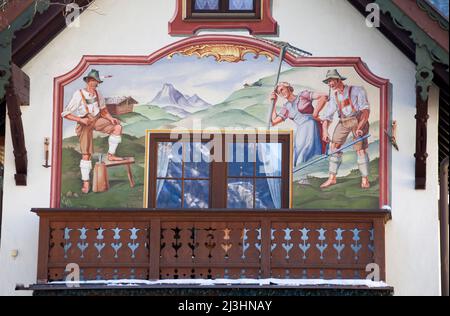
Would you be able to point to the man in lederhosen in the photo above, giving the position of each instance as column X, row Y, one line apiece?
column 87, row 107
column 353, row 109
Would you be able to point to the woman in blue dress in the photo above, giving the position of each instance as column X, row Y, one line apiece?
column 299, row 108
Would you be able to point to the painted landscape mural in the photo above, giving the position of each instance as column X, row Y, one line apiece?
column 185, row 91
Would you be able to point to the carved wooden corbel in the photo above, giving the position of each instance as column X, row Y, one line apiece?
column 428, row 52
column 421, row 154
column 13, row 101
column 14, row 84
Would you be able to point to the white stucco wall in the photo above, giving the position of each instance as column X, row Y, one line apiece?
column 323, row 27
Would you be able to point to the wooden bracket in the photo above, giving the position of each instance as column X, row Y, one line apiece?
column 15, row 93
column 421, row 154
column 21, row 84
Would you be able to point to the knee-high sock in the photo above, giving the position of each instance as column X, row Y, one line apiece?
column 114, row 141
column 363, row 165
column 335, row 163
column 85, row 167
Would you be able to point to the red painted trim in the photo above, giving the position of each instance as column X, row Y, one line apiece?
column 355, row 62
column 266, row 26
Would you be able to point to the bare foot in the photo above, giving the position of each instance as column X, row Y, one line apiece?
column 365, row 184
column 112, row 157
column 85, row 187
column 330, row 182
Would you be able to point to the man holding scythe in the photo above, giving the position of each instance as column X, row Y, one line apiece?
column 353, row 108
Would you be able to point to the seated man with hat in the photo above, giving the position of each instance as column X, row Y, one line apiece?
column 87, row 107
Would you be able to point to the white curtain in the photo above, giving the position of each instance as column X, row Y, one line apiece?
column 207, row 4
column 270, row 155
column 164, row 157
column 241, row 4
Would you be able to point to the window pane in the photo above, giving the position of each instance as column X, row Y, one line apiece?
column 268, row 163
column 241, row 5
column 196, row 194
column 240, row 193
column 206, row 4
column 169, row 194
column 170, row 157
column 268, row 194
column 196, row 165
column 241, row 160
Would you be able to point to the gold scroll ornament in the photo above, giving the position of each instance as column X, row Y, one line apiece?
column 223, row 53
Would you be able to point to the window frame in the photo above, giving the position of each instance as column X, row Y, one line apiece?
column 183, row 23
column 183, row 178
column 218, row 189
column 223, row 13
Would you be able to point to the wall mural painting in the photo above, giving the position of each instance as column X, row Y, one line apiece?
column 108, row 109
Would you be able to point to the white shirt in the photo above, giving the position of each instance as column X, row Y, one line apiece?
column 359, row 99
column 77, row 107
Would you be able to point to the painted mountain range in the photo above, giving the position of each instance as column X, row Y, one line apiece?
column 177, row 103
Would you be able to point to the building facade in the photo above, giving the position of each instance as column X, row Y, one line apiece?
column 278, row 223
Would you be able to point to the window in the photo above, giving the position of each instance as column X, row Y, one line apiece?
column 235, row 171
column 254, row 175
column 194, row 15
column 223, row 9
column 181, row 182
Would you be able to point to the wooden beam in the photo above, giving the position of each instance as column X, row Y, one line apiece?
column 21, row 84
column 402, row 40
column 45, row 26
column 421, row 154
column 13, row 102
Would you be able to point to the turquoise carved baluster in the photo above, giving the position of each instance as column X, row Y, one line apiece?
column 258, row 244
column 287, row 245
column 304, row 246
column 245, row 245
column 372, row 240
column 83, row 245
column 100, row 245
column 67, row 243
column 272, row 237
column 322, row 246
column 356, row 247
column 339, row 246
column 117, row 245
column 133, row 245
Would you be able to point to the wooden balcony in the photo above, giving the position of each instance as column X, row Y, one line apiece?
column 210, row 244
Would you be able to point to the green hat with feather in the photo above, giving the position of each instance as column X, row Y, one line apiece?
column 94, row 74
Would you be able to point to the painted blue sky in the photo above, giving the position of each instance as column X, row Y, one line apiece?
column 211, row 80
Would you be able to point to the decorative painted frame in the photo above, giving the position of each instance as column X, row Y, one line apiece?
column 246, row 44
column 179, row 25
